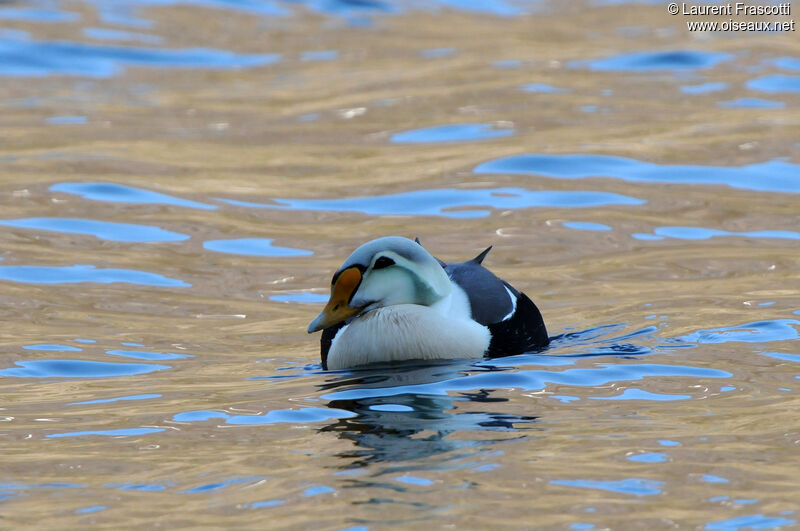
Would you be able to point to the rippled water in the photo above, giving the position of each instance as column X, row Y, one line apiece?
column 181, row 178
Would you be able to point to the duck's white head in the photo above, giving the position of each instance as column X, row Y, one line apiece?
column 383, row 272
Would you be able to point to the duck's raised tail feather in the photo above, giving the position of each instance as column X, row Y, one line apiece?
column 479, row 259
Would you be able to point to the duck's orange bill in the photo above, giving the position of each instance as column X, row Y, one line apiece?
column 338, row 309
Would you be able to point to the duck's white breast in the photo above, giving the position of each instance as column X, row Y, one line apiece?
column 406, row 332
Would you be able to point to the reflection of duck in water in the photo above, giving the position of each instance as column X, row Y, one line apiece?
column 407, row 414
column 392, row 300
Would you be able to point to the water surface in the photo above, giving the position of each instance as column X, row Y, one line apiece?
column 182, row 178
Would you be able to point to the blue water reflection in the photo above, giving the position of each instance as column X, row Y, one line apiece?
column 787, row 63
column 675, row 60
column 643, row 236
column 750, row 521
column 253, row 247
column 5, row 487
column 414, row 480
column 391, row 405
column 775, row 83
column 220, row 485
column 41, row 15
column 651, row 457
column 145, row 355
column 586, row 225
column 635, row 486
column 701, row 233
column 92, row 509
column 451, row 133
column 256, row 7
column 66, row 120
column 794, row 358
column 413, row 411
column 543, row 88
column 106, row 230
column 85, row 273
column 773, row 176
column 502, row 8
column 316, row 491
column 106, row 34
column 752, row 103
column 442, row 202
column 388, row 434
column 291, row 416
column 704, row 88
column 127, row 12
column 23, row 58
column 266, row 503
column 137, row 486
column 116, row 399
column 532, row 380
column 126, row 432
column 119, row 193
column 77, row 369
column 593, row 108
column 301, row 297
column 437, row 53
column 120, row 13
column 640, row 394
column 757, row 332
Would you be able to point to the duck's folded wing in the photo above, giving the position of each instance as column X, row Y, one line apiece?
column 491, row 300
column 514, row 321
column 523, row 332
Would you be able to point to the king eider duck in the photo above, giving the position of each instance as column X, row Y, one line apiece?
column 393, row 301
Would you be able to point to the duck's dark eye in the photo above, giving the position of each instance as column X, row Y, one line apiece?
column 383, row 261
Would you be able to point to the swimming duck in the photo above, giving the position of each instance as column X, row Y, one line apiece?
column 392, row 300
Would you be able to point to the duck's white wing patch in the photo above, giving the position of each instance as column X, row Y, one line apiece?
column 513, row 304
column 487, row 294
